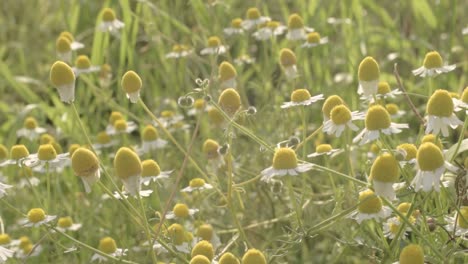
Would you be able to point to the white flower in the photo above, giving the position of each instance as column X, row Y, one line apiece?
column 197, row 184
column 285, row 163
column 179, row 51
column 235, row 29
column 221, row 49
column 126, row 194
column 324, row 149
column 296, row 28
column 340, row 118
column 30, row 134
column 36, row 217
column 119, row 252
column 302, row 97
column 66, row 224
column 3, row 188
column 440, row 114
column 5, row 254
column 433, row 65
column 459, row 223
column 370, row 207
column 271, row 29
column 254, row 18
column 181, row 211
column 46, row 157
column 146, row 180
column 244, row 59
column 314, row 39
column 120, row 127
column 437, row 124
column 391, row 227
column 109, row 22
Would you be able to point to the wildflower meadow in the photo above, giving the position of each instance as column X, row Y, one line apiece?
column 233, row 132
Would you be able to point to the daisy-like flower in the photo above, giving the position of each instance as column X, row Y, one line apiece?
column 235, row 28
column 104, row 141
column 431, row 165
column 17, row 154
column 66, row 224
column 108, row 246
column 121, row 127
column 5, row 254
column 394, row 110
column 211, row 150
column 199, row 106
column 105, row 75
column 169, row 118
column 296, row 28
column 26, row 178
column 207, row 233
column 125, row 195
column 269, row 30
column 110, row 23
column 244, row 59
column 37, row 217
column 368, row 74
column 340, row 118
column 5, row 240
column 215, row 117
column 440, row 115
column 203, row 248
column 384, row 173
column 85, row 164
column 384, row 91
column 284, row 163
column 197, row 184
column 46, row 155
column 179, row 51
column 411, row 254
column 329, row 104
column 179, row 211
column 214, row 47
column 459, row 222
column 131, row 84
column 63, row 78
column 83, row 65
column 229, row 101
column 228, row 258
column 323, row 149
column 74, row 45
column 24, row 248
column 314, row 39
column 434, row 140
column 253, row 18
column 408, row 151
column 288, row 62
column 461, row 103
column 433, row 65
column 128, row 168
column 392, row 226
column 302, row 97
column 227, row 75
column 150, row 140
column 377, row 121
column 151, row 172
column 253, row 256
column 370, row 207
column 63, row 49
column 178, row 237
column 30, row 129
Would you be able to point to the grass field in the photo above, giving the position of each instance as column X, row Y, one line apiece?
column 138, row 131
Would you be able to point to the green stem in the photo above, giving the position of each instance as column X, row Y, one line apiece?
column 147, row 229
column 292, row 196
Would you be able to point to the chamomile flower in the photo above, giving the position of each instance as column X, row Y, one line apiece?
column 340, row 118
column 314, row 39
column 215, row 117
column 370, row 207
column 125, row 195
column 461, row 103
column 109, row 22
column 105, row 75
column 200, row 259
column 207, row 233
column 83, row 65
column 440, row 115
column 108, row 246
column 131, row 84
column 26, row 178
column 46, row 156
column 244, row 59
column 3, row 188
column 24, row 248
column 329, row 104
column 284, row 163
column 384, row 91
column 63, row 49
column 392, row 226
column 37, row 217
column 85, row 164
column 235, row 28
column 459, row 222
column 228, row 258
column 433, row 65
column 253, row 256
column 214, row 47
column 181, row 210
column 227, row 75
column 150, row 140
column 384, row 173
column 66, row 224
column 394, row 110
column 151, row 172
column 211, row 150
column 63, row 78
column 199, row 106
column 431, row 165
column 408, row 152
column 203, row 248
column 377, row 121
column 74, row 45
column 128, row 168
column 368, row 74
column 5, row 240
column 269, row 30
column 253, row 18
column 229, row 101
column 178, row 237
column 121, row 126
column 197, row 184
column 302, row 97
column 296, row 28
column 323, row 149
column 412, row 254
column 104, row 141
column 17, row 154
column 179, row 51
column 288, row 62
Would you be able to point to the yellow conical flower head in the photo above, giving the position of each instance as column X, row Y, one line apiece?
column 295, row 21
column 188, row 236
column 3, row 152
column 213, row 42
column 369, row 202
column 63, row 45
column 374, row 148
column 106, row 69
column 273, row 24
column 46, row 152
column 18, row 152
column 72, row 148
column 287, row 57
column 300, row 95
column 46, row 139
column 127, row 163
column 383, row 88
column 433, row 60
column 228, row 258
column 197, row 183
column 203, row 248
column 226, row 71
column 253, row 13
column 215, row 116
column 432, row 139
column 429, row 157
column 330, row 103
column 464, row 96
column 340, row 114
column 57, row 147
column 313, row 37
column 368, row 70
column 150, row 168
column 200, row 259
column 176, row 233
column 385, row 168
column 323, row 148
column 115, row 115
column 205, row 231
column 440, row 104
column 149, row 133
column 199, row 104
column 82, row 62
column 108, row 15
column 463, row 217
column 404, row 209
column 84, row 162
column 210, row 148
column 36, row 215
column 65, row 222
column 236, row 23
column 410, row 150
column 131, row 82
column 377, row 118
column 229, row 101
column 120, row 125
column 103, row 138
column 24, row 241
column 284, row 158
column 253, row 256
column 4, row 239
column 181, row 210
column 392, row 109
column 67, row 35
column 30, row 123
column 61, row 74
column 107, row 245
column 412, row 254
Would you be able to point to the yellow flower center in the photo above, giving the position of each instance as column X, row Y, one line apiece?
column 313, row 37
column 4, row 239
column 228, row 258
column 131, row 82
column 127, row 163
column 62, row 45
column 273, row 24
column 383, row 88
column 199, row 104
column 295, row 21
column 229, row 101
column 464, row 96
column 377, row 118
column 108, row 15
column 177, row 233
column 57, row 147
column 167, row 114
column 463, row 217
column 65, row 222
column 205, row 231
column 300, row 95
column 46, row 152
column 374, row 148
column 106, row 69
column 203, row 248
column 440, row 104
column 210, row 148
column 392, row 109
column 61, row 74
column 120, row 125
column 253, row 256
column 226, row 71
column 429, row 157
column 215, row 116
column 330, row 103
column 323, row 148
column 36, row 215
column 369, row 202
column 67, row 35
column 200, row 259
column 236, row 23
column 432, row 139
column 340, row 115
column 432, row 60
column 368, row 70
column 412, row 254
column 27, row 248
column 24, row 241
column 107, row 245
column 72, row 148
column 214, row 42
column 197, row 183
column 287, row 57
column 253, row 13
column 84, row 162
column 46, row 139
column 103, row 138
column 284, row 158
column 114, row 117
column 83, row 62
column 181, row 210
column 385, row 168
column 394, row 228
column 404, row 207
column 150, row 168
column 410, row 150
